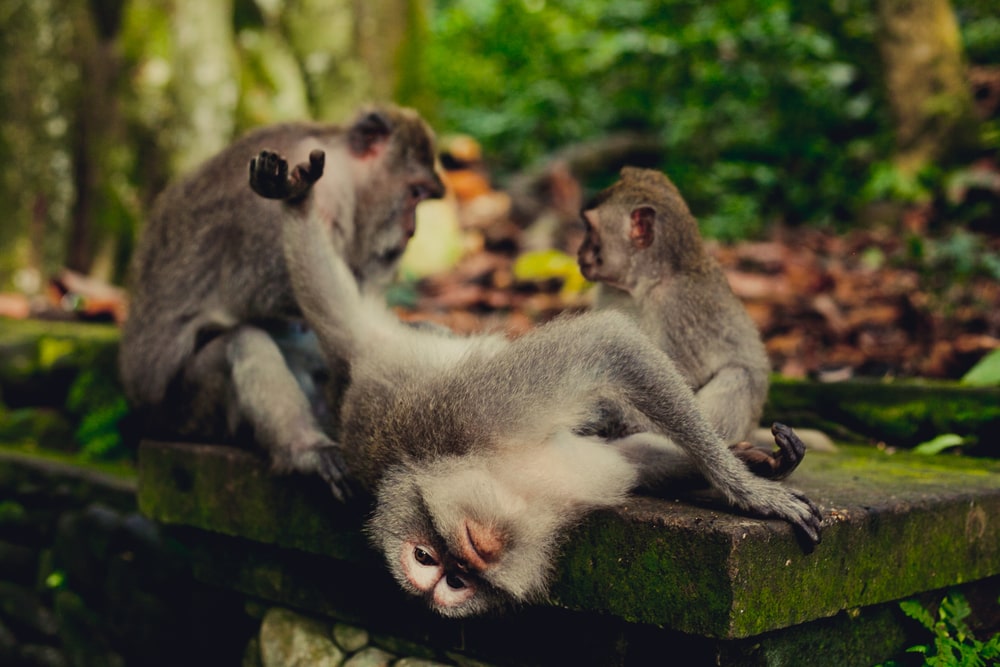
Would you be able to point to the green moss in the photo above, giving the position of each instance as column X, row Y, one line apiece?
column 898, row 413
column 124, row 471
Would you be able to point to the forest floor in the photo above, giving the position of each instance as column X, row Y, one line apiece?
column 829, row 305
column 876, row 302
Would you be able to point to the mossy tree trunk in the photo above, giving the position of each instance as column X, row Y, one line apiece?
column 105, row 100
column 37, row 188
column 99, row 144
column 926, row 81
column 204, row 84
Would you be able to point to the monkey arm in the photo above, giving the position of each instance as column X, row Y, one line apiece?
column 659, row 462
column 267, row 393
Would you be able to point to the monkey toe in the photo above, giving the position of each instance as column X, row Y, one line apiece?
column 809, row 526
column 759, row 462
column 791, row 450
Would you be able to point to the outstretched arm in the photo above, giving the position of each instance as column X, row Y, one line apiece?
column 324, row 286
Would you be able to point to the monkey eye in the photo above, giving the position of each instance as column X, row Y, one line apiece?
column 424, row 557
column 455, row 582
column 419, row 192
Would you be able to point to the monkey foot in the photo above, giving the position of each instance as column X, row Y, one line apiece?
column 778, row 464
column 270, row 178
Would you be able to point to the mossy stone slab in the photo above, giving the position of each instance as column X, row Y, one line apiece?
column 895, row 525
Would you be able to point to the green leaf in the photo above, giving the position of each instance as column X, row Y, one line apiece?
column 939, row 444
column 986, row 373
column 543, row 265
column 915, row 610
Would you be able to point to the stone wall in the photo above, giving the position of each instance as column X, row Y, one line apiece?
column 87, row 581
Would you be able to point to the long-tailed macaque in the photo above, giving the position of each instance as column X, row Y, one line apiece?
column 480, row 452
column 213, row 347
column 641, row 239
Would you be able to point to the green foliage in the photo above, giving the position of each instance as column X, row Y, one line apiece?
column 954, row 643
column 542, row 265
column 11, row 512
column 939, row 444
column 100, row 405
column 764, row 110
column 986, row 372
column 953, row 258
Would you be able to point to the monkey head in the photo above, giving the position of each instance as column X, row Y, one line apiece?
column 639, row 228
column 455, row 535
column 393, row 164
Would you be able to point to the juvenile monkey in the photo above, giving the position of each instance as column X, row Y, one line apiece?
column 214, row 347
column 480, row 452
column 642, row 240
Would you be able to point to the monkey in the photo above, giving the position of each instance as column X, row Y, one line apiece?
column 643, row 246
column 480, row 452
column 214, row 347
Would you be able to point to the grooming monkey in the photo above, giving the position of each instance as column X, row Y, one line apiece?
column 214, row 347
column 480, row 452
column 643, row 242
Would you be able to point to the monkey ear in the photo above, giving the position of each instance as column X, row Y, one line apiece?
column 641, row 230
column 370, row 130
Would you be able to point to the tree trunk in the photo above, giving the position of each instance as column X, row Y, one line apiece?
column 925, row 77
column 204, row 80
column 36, row 115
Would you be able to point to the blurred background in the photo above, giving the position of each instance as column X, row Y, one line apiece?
column 841, row 155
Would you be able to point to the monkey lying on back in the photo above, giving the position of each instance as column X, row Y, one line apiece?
column 212, row 346
column 475, row 449
column 641, row 239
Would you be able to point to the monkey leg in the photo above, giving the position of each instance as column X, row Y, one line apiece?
column 647, row 380
column 732, row 401
column 266, row 394
column 661, row 465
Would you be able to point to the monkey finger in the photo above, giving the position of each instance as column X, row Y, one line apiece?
column 331, row 467
column 317, row 161
column 269, row 175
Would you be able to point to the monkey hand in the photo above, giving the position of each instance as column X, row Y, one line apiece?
column 270, row 178
column 777, row 464
column 320, row 456
column 331, row 467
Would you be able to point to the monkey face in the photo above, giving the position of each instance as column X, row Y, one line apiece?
column 589, row 255
column 604, row 255
column 451, row 537
column 399, row 174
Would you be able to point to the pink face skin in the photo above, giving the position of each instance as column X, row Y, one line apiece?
column 423, row 569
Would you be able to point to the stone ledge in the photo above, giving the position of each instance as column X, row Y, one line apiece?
column 897, row 525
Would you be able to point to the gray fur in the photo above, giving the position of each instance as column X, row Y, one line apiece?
column 448, row 432
column 680, row 297
column 213, row 345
